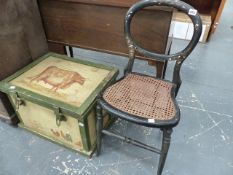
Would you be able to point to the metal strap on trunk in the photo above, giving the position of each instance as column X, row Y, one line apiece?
column 18, row 101
column 59, row 116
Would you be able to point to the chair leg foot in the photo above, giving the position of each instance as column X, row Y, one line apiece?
column 165, row 147
column 99, row 127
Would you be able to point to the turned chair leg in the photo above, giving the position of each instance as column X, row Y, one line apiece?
column 165, row 147
column 99, row 127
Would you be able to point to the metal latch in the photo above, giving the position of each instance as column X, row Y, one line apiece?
column 18, row 101
column 59, row 116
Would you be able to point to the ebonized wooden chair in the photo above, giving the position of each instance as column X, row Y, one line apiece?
column 143, row 99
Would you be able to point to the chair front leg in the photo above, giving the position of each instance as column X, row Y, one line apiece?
column 99, row 127
column 165, row 147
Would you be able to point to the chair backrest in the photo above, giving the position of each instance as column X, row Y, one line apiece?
column 178, row 57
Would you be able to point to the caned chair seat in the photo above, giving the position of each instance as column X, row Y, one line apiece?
column 142, row 96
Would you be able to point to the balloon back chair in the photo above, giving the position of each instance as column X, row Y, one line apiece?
column 143, row 99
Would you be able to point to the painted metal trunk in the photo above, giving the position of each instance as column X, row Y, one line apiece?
column 55, row 97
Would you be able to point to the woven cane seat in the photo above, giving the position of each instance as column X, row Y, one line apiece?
column 142, row 96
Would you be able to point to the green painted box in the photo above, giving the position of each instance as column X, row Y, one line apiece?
column 55, row 97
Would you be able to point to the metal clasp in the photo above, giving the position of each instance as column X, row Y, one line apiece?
column 59, row 116
column 18, row 101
